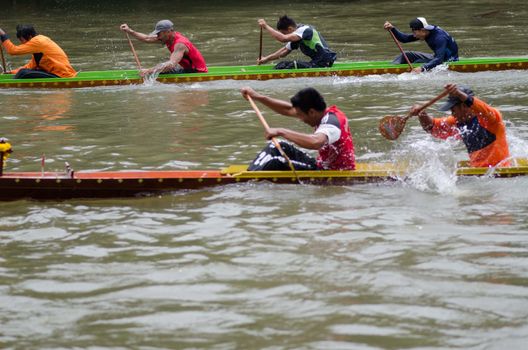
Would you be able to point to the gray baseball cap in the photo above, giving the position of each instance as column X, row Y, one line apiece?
column 162, row 25
column 453, row 101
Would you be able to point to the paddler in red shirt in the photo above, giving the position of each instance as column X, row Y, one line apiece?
column 184, row 58
column 331, row 136
column 476, row 123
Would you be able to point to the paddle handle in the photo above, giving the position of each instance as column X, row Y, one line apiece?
column 266, row 126
column 273, row 139
column 3, row 60
column 401, row 49
column 259, row 114
column 260, row 45
column 391, row 126
column 432, row 101
column 133, row 51
column 427, row 104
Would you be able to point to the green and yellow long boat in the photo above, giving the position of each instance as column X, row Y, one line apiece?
column 109, row 184
column 264, row 72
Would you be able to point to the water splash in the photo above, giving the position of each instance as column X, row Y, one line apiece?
column 431, row 165
column 518, row 145
column 151, row 79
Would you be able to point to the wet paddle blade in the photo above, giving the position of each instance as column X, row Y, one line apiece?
column 391, row 126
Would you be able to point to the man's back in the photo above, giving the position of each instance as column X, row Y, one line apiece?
column 47, row 55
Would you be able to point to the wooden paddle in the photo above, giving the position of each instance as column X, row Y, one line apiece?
column 273, row 139
column 3, row 60
column 133, row 51
column 401, row 49
column 391, row 126
column 260, row 46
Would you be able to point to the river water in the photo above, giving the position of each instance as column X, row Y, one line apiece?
column 432, row 262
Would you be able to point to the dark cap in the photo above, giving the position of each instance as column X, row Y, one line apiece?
column 453, row 100
column 420, row 23
column 162, row 26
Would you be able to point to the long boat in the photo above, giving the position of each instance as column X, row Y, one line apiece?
column 264, row 72
column 113, row 184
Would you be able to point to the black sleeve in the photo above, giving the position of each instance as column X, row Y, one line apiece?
column 331, row 119
column 469, row 101
column 295, row 45
column 307, row 34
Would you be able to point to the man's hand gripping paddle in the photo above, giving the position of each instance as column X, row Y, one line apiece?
column 273, row 139
column 391, row 126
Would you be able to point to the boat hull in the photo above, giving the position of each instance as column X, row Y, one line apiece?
column 52, row 185
column 266, row 72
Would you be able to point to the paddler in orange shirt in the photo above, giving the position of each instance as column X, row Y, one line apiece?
column 48, row 61
column 479, row 125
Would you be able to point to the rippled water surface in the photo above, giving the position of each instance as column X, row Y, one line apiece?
column 432, row 261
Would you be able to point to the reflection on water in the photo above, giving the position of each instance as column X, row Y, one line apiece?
column 53, row 107
column 41, row 111
column 39, row 121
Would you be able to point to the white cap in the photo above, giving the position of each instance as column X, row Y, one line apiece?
column 419, row 23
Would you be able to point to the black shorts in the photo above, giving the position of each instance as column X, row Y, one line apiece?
column 33, row 74
column 271, row 159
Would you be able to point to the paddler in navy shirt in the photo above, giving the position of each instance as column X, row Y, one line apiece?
column 443, row 45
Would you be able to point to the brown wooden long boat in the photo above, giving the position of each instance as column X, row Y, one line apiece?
column 109, row 184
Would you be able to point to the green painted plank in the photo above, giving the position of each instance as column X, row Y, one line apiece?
column 232, row 71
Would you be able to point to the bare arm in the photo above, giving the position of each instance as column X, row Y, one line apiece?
column 283, row 51
column 426, row 121
column 140, row 36
column 455, row 91
column 278, row 106
column 172, row 63
column 283, row 38
column 308, row 141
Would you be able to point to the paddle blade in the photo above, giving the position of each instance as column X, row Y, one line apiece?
column 391, row 126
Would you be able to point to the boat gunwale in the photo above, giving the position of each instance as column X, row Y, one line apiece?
column 241, row 172
column 123, row 184
column 250, row 72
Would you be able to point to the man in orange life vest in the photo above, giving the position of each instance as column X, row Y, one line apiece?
column 48, row 61
column 479, row 125
column 184, row 58
column 331, row 135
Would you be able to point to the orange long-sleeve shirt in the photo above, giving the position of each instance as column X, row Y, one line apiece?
column 54, row 60
column 484, row 135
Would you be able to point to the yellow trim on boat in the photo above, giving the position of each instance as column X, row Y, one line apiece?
column 373, row 170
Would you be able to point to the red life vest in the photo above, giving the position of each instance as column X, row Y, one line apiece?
column 193, row 59
column 340, row 154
